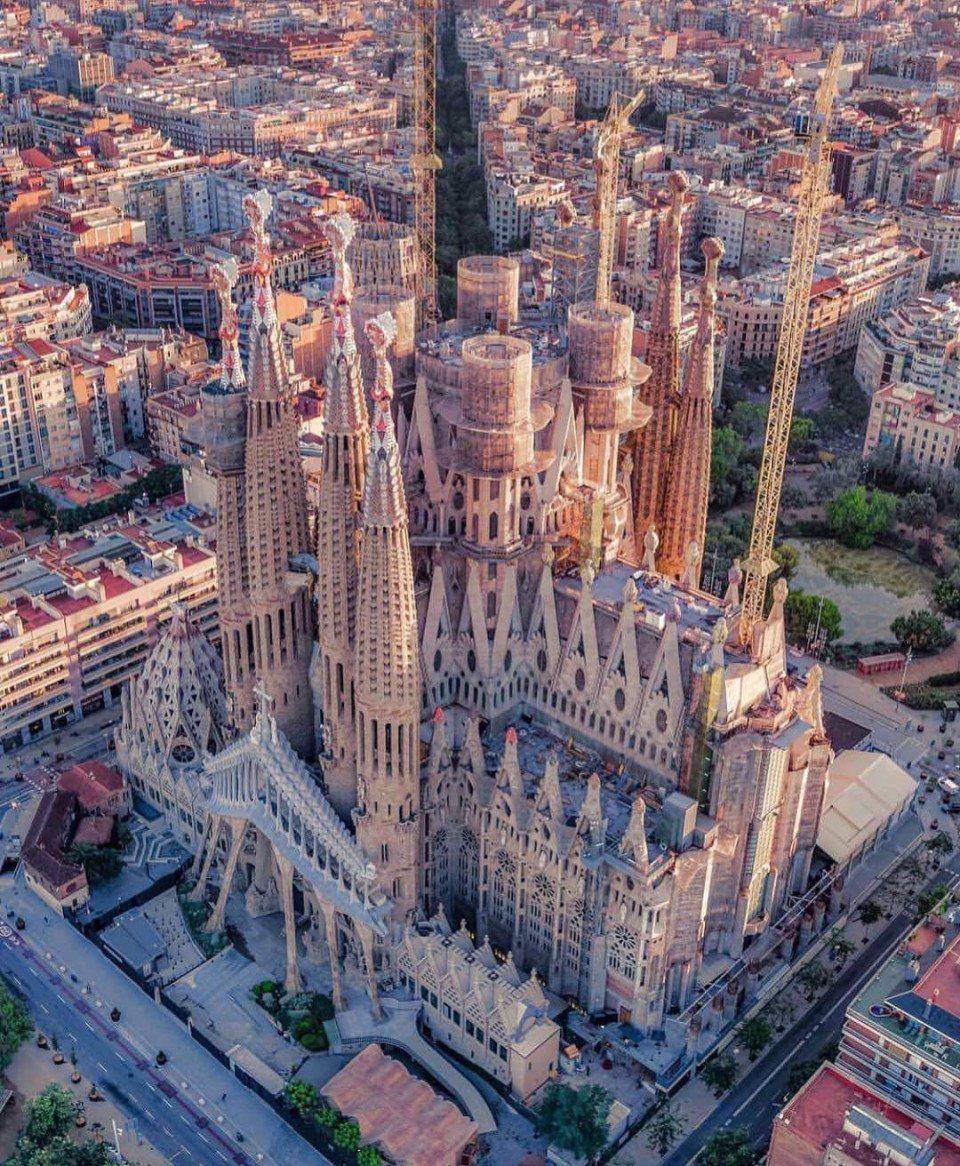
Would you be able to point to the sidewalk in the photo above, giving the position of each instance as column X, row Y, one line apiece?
column 149, row 1027
column 32, row 1070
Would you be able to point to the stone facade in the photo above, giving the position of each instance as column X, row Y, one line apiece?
column 519, row 724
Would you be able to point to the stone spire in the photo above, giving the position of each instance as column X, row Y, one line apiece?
column 387, row 674
column 685, row 509
column 338, row 526
column 633, row 844
column 232, row 376
column 223, row 426
column 280, row 630
column 651, row 470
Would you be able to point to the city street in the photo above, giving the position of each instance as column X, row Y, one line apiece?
column 756, row 1100
column 72, row 987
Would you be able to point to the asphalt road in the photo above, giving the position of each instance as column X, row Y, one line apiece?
column 167, row 1119
column 755, row 1101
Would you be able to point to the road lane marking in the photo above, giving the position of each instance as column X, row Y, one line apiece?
column 149, row 1114
column 45, row 1009
column 101, row 1065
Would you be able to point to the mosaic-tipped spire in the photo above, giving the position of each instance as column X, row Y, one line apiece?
column 651, row 471
column 275, row 508
column 346, row 429
column 346, row 409
column 383, row 500
column 225, row 276
column 685, row 516
column 633, row 844
column 267, row 372
column 387, row 677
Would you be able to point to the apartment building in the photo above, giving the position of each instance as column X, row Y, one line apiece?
column 512, row 200
column 78, row 616
column 836, row 1118
column 35, row 306
column 58, row 236
column 937, row 230
column 918, row 343
column 912, row 421
column 901, row 1033
column 78, row 73
column 853, row 284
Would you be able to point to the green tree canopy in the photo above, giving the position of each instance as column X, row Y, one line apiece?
column 301, row 1096
column 732, row 475
column 665, row 1129
column 870, row 912
column 857, row 517
column 101, row 863
column 719, row 1074
column 800, row 614
column 803, row 430
column 50, row 1113
column 727, row 1148
column 15, row 1024
column 575, row 1119
column 946, row 594
column 921, row 631
column 916, row 510
column 756, row 1034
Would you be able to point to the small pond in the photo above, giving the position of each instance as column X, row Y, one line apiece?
column 870, row 587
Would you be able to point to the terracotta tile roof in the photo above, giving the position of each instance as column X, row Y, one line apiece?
column 399, row 1113
column 91, row 783
column 47, row 839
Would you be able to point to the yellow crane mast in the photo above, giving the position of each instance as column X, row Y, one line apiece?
column 796, row 299
column 606, row 166
column 425, row 163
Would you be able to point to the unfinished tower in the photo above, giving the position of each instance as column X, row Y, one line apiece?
column 651, row 468
column 603, row 374
column 685, row 510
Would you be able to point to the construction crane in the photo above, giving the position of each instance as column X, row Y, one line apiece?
column 606, row 166
column 793, row 326
column 425, row 163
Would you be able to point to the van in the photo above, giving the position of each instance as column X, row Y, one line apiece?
column 948, row 788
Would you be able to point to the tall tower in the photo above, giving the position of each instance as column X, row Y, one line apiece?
column 280, row 625
column 223, row 426
column 651, row 468
column 685, row 506
column 387, row 669
column 338, row 533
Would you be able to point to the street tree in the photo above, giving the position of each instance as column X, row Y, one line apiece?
column 727, row 1148
column 803, row 430
column 940, row 845
column 928, row 900
column 665, row 1129
column 841, row 948
column 870, row 912
column 813, row 978
column 15, row 1024
column 50, row 1114
column 368, row 1156
column 946, row 594
column 756, row 1034
column 800, row 1074
column 575, row 1119
column 719, row 1074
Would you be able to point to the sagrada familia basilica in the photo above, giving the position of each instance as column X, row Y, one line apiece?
column 484, row 684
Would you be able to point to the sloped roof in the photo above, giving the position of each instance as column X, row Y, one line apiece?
column 865, row 790
column 398, row 1113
